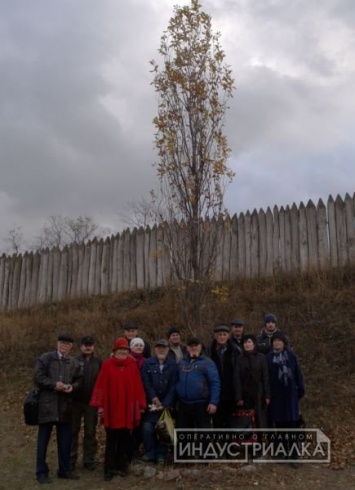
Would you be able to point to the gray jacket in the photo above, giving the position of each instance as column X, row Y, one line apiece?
column 56, row 406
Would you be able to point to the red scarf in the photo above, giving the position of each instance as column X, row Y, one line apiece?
column 139, row 358
column 119, row 391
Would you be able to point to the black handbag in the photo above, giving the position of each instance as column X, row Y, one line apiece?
column 30, row 407
column 244, row 419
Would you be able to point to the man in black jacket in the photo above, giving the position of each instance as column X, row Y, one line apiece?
column 237, row 331
column 57, row 375
column 223, row 352
column 90, row 367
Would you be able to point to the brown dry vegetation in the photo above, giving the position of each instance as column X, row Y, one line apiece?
column 317, row 312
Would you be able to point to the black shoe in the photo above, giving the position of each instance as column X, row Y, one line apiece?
column 107, row 476
column 44, row 478
column 90, row 466
column 69, row 476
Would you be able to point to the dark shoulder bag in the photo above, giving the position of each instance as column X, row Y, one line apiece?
column 30, row 407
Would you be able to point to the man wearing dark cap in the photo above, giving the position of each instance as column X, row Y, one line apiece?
column 237, row 330
column 198, row 388
column 176, row 350
column 263, row 340
column 159, row 380
column 90, row 367
column 223, row 352
column 58, row 376
column 130, row 331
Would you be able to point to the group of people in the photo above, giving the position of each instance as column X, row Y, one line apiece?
column 202, row 386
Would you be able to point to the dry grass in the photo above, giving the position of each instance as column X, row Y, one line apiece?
column 317, row 312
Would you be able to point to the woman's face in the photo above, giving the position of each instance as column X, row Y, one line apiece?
column 249, row 345
column 278, row 345
column 138, row 348
column 121, row 353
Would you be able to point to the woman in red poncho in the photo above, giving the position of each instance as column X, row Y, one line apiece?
column 120, row 398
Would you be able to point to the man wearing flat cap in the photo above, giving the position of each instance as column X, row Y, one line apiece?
column 58, row 376
column 237, row 331
column 159, row 380
column 90, row 367
column 224, row 353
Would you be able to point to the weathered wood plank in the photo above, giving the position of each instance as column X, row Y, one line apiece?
column 303, row 238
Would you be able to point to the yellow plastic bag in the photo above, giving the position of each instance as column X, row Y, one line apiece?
column 164, row 428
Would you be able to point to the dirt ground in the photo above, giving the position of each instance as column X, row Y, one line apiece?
column 17, row 457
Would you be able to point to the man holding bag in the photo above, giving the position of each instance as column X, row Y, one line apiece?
column 159, row 380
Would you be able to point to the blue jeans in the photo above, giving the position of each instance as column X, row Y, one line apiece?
column 63, row 447
column 153, row 448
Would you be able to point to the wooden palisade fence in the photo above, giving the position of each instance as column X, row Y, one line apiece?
column 257, row 244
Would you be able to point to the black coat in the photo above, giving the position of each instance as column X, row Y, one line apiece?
column 253, row 385
column 56, row 406
column 226, row 369
column 90, row 369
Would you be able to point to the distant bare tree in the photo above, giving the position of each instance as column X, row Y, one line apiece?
column 15, row 240
column 59, row 231
column 141, row 213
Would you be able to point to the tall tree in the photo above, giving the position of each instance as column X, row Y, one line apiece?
column 193, row 86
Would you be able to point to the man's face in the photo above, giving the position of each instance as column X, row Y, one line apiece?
column 87, row 349
column 161, row 352
column 194, row 350
column 131, row 333
column 174, row 339
column 270, row 326
column 64, row 347
column 237, row 331
column 221, row 337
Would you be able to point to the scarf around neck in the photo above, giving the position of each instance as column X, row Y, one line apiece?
column 280, row 358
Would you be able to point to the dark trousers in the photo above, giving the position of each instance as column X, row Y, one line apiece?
column 153, row 448
column 118, row 450
column 193, row 416
column 63, row 447
column 223, row 418
column 82, row 411
column 286, row 440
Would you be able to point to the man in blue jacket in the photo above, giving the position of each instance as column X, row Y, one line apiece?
column 198, row 388
column 159, row 380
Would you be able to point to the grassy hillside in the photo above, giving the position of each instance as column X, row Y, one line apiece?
column 316, row 311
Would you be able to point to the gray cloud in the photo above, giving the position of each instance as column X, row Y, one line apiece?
column 76, row 104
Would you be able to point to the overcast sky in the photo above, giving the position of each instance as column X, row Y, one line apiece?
column 76, row 104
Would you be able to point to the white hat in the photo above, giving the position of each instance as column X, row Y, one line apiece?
column 136, row 341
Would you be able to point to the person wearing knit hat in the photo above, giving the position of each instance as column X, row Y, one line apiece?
column 176, row 350
column 287, row 388
column 120, row 399
column 137, row 348
column 263, row 340
column 252, row 382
